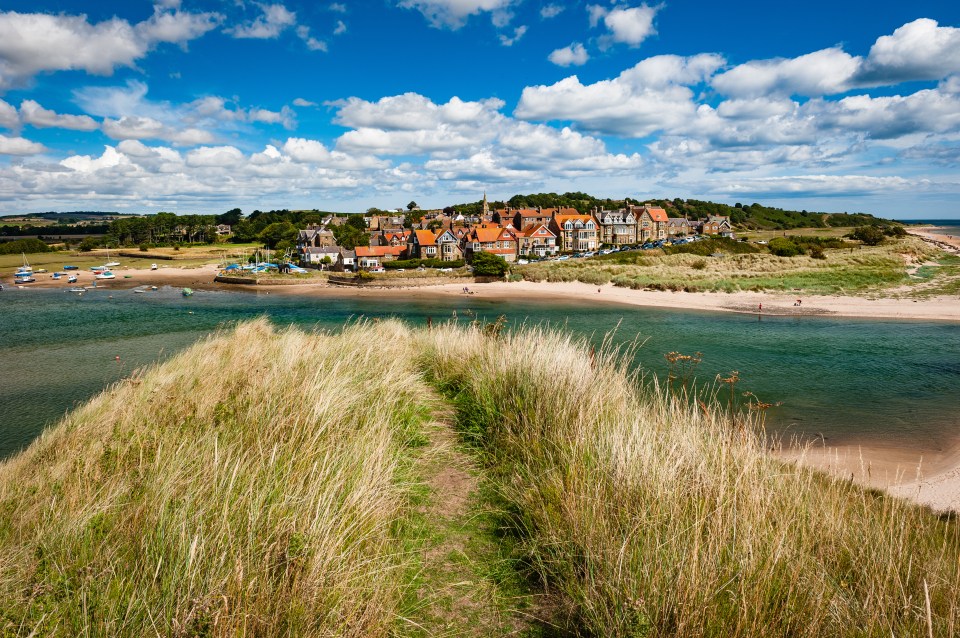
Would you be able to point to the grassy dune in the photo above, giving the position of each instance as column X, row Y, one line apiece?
column 859, row 271
column 252, row 485
column 265, row 483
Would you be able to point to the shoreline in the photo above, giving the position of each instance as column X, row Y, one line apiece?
column 772, row 304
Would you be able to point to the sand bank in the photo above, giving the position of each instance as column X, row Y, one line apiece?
column 754, row 303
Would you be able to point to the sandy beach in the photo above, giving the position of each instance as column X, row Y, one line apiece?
column 755, row 303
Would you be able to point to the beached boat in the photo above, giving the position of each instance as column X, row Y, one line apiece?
column 106, row 274
column 71, row 279
column 99, row 268
column 153, row 266
column 25, row 278
column 186, row 292
column 71, row 267
column 25, row 269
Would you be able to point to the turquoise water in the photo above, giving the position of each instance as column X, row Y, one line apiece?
column 850, row 381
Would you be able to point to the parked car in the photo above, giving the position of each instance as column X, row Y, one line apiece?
column 377, row 269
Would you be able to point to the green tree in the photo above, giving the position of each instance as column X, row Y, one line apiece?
column 277, row 233
column 869, row 235
column 412, row 205
column 783, row 247
column 489, row 265
column 88, row 244
column 230, row 217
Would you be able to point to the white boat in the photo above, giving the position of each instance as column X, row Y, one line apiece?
column 111, row 264
column 106, row 274
column 25, row 269
column 77, row 289
column 71, row 279
column 153, row 266
column 98, row 268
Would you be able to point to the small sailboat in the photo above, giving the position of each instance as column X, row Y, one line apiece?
column 111, row 264
column 25, row 269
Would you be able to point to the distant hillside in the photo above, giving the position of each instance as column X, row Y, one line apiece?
column 754, row 216
column 65, row 218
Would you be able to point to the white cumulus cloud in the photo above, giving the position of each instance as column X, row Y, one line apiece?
column 19, row 146
column 572, row 55
column 32, row 113
column 274, row 19
column 31, row 43
column 627, row 25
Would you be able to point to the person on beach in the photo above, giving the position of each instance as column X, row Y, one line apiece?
column 760, row 307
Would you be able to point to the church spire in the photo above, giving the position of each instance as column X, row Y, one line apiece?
column 486, row 207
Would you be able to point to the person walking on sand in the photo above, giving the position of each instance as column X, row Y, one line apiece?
column 760, row 307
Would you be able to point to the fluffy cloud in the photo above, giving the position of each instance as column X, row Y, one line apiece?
column 627, row 25
column 919, row 50
column 31, row 43
column 32, row 113
column 648, row 97
column 573, row 55
column 8, row 115
column 19, row 146
column 823, row 72
column 453, row 14
column 469, row 141
column 129, row 114
column 274, row 19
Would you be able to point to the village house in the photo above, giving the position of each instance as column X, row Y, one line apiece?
column 422, row 245
column 617, row 227
column 491, row 238
column 315, row 236
column 717, row 225
column 653, row 223
column 223, row 229
column 448, row 245
column 536, row 241
column 313, row 256
column 374, row 256
column 576, row 233
column 679, row 226
column 347, row 260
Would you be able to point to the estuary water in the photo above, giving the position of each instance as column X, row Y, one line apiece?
column 869, row 382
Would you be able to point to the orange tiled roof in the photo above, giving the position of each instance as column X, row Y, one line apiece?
column 562, row 219
column 379, row 251
column 426, row 237
column 656, row 213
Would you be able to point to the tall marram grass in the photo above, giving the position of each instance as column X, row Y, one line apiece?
column 252, row 485
column 648, row 517
column 261, row 483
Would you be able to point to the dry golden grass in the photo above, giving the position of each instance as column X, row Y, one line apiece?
column 250, row 486
column 260, row 484
column 650, row 517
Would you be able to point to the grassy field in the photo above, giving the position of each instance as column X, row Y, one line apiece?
column 187, row 256
column 454, row 481
column 857, row 271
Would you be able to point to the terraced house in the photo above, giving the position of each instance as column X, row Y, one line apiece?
column 617, row 227
column 491, row 238
column 536, row 241
column 576, row 233
column 653, row 223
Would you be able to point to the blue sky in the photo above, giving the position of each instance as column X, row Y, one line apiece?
column 201, row 106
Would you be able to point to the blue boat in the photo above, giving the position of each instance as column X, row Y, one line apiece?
column 71, row 267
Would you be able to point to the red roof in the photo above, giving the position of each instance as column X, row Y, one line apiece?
column 380, row 251
column 656, row 213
